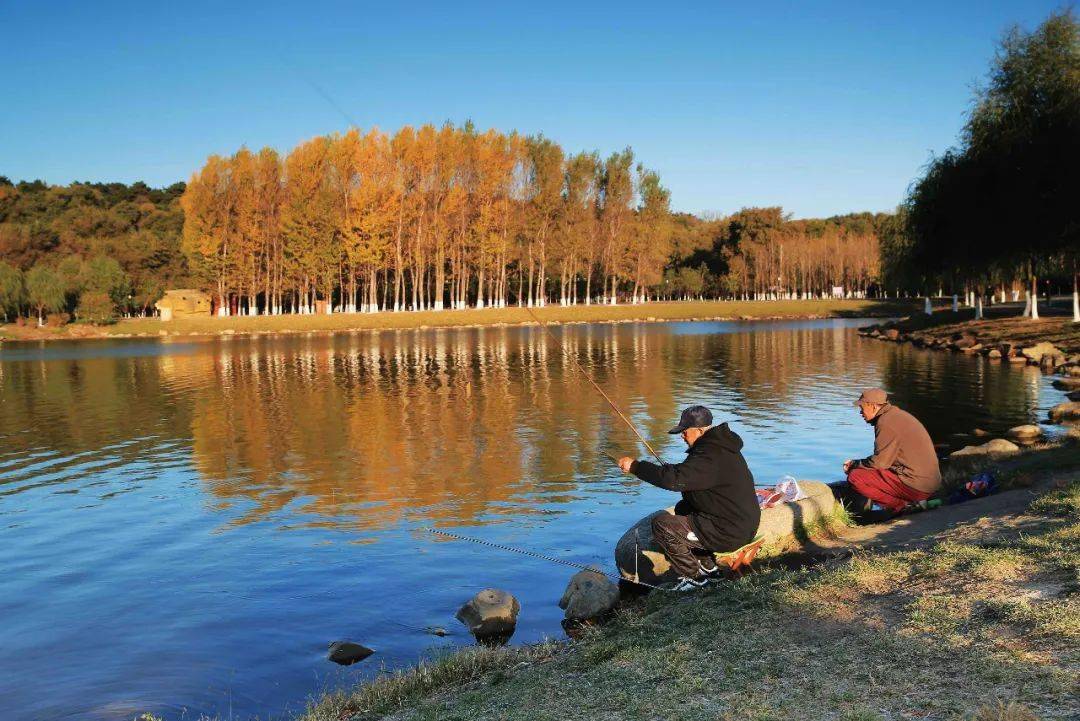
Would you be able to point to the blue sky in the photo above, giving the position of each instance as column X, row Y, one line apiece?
column 822, row 107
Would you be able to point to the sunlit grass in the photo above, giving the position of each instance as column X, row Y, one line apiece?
column 962, row 630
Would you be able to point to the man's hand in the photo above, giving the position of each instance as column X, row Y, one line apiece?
column 847, row 465
column 625, row 462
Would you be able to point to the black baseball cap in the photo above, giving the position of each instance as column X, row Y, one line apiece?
column 693, row 417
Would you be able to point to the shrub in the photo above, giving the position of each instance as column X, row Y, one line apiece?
column 55, row 320
column 96, row 308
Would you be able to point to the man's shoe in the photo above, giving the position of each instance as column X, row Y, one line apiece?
column 689, row 584
column 710, row 571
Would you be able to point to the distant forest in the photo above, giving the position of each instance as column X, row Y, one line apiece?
column 452, row 217
column 76, row 246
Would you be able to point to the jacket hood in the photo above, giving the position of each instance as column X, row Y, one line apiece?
column 720, row 436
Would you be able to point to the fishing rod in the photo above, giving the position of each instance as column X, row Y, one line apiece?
column 595, row 385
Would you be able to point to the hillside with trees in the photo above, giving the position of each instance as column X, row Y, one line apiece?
column 105, row 247
column 427, row 218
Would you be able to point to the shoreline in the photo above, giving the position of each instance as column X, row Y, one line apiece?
column 654, row 312
column 970, row 601
column 1010, row 339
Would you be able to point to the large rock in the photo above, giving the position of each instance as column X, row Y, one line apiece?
column 588, row 596
column 1068, row 411
column 996, row 447
column 347, row 653
column 638, row 556
column 1037, row 351
column 1025, row 434
column 965, row 340
column 490, row 615
column 1066, row 384
column 1073, row 395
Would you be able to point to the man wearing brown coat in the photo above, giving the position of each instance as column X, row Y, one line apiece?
column 904, row 467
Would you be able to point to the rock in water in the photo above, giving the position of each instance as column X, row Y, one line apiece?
column 347, row 653
column 996, row 447
column 1068, row 411
column 1073, row 395
column 1066, row 384
column 1025, row 434
column 490, row 615
column 589, row 595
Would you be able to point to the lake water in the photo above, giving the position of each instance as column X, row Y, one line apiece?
column 185, row 526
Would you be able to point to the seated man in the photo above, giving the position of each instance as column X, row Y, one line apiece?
column 904, row 467
column 718, row 510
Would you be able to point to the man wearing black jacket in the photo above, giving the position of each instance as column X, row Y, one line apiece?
column 718, row 511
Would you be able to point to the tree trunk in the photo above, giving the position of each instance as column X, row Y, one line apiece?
column 1076, row 295
column 1034, row 297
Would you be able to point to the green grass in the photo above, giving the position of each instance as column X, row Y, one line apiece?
column 472, row 317
column 984, row 630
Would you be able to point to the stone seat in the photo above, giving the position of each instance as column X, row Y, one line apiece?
column 639, row 558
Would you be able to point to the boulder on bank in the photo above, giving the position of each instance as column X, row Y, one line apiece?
column 1067, row 411
column 490, row 615
column 996, row 447
column 1025, row 434
column 346, row 653
column 1040, row 350
column 965, row 340
column 1066, row 384
column 994, row 354
column 589, row 595
column 1073, row 395
column 638, row 556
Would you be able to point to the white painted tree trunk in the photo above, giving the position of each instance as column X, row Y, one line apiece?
column 978, row 307
column 1076, row 296
column 955, row 303
column 1027, row 305
column 927, row 308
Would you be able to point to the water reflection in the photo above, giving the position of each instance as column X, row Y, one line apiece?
column 361, row 430
column 243, row 501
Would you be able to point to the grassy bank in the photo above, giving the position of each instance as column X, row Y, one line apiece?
column 984, row 625
column 465, row 318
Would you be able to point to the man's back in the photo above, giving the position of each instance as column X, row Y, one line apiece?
column 717, row 488
column 902, row 444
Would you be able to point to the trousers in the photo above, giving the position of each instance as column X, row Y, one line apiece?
column 680, row 544
column 884, row 487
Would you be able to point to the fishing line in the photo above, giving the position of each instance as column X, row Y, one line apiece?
column 595, row 385
column 552, row 559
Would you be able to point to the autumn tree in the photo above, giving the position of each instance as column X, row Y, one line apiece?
column 44, row 291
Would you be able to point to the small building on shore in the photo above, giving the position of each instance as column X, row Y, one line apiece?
column 183, row 303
